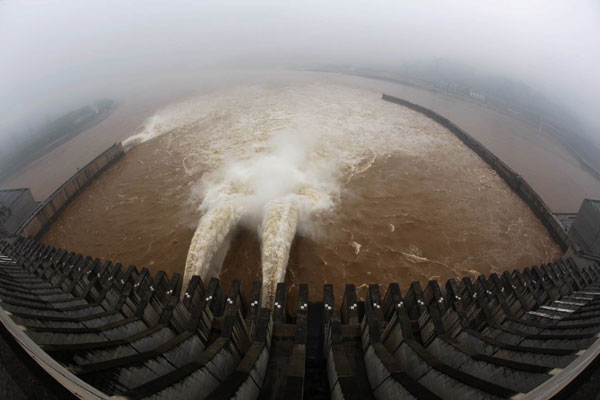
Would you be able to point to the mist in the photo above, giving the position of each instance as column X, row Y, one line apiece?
column 58, row 55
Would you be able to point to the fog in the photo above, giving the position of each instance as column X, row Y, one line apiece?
column 58, row 55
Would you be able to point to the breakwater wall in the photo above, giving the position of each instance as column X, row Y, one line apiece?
column 513, row 179
column 52, row 207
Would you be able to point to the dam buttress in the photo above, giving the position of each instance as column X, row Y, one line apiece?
column 103, row 330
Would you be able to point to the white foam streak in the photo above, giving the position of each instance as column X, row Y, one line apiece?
column 272, row 157
column 278, row 231
column 211, row 239
column 153, row 127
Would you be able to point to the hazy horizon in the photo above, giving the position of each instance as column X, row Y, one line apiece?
column 58, row 55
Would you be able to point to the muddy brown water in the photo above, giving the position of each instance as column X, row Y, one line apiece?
column 406, row 218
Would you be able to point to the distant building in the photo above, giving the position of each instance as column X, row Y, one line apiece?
column 446, row 86
column 585, row 230
column 477, row 95
column 16, row 205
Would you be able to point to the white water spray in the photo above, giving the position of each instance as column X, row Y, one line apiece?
column 278, row 231
column 211, row 238
column 153, row 127
column 270, row 158
column 271, row 192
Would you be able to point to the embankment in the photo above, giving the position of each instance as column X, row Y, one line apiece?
column 513, row 179
column 51, row 208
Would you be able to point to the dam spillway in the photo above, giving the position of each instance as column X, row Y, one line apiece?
column 384, row 193
column 103, row 330
column 108, row 331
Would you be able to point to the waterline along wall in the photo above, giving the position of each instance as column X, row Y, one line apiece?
column 51, row 208
column 514, row 180
column 105, row 331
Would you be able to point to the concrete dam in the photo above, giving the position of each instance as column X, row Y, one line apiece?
column 101, row 330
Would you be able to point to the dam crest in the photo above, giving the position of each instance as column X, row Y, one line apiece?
column 103, row 330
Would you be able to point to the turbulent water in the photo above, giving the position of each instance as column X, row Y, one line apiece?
column 325, row 180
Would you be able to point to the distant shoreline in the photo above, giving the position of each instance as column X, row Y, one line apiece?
column 584, row 164
column 72, row 124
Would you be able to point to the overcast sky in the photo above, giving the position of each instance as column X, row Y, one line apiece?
column 51, row 51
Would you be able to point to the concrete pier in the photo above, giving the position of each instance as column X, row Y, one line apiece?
column 103, row 330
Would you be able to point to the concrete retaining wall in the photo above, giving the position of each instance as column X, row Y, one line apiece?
column 50, row 209
column 514, row 180
column 19, row 205
column 585, row 230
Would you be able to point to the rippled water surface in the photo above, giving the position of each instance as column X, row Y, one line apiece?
column 311, row 183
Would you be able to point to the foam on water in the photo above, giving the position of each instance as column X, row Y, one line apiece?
column 153, row 127
column 211, row 239
column 278, row 231
column 273, row 158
